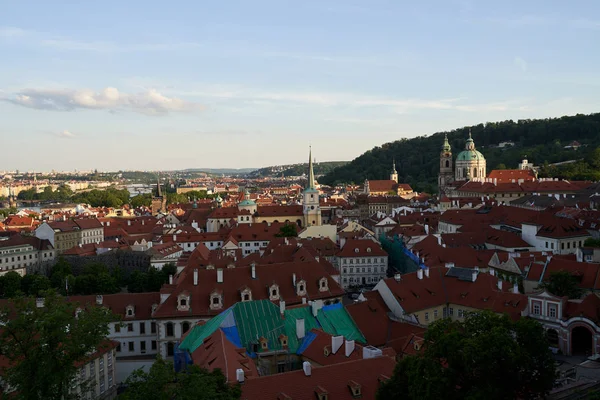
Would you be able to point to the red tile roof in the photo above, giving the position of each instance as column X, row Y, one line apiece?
column 117, row 303
column 508, row 175
column 361, row 248
column 334, row 379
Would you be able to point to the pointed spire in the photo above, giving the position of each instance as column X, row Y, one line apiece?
column 394, row 166
column 470, row 137
column 311, row 173
column 446, row 146
column 158, row 189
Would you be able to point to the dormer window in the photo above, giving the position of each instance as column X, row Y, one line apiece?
column 354, row 389
column 274, row 292
column 264, row 343
column 323, row 286
column 216, row 300
column 130, row 311
column 368, row 249
column 154, row 307
column 246, row 295
column 356, row 250
column 321, row 393
column 283, row 340
column 183, row 302
column 301, row 288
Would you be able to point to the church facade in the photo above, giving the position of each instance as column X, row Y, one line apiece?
column 470, row 165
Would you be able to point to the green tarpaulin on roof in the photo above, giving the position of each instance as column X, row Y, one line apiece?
column 293, row 314
column 200, row 332
column 256, row 319
column 336, row 321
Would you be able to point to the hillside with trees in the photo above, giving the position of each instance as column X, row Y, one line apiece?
column 321, row 168
column 542, row 141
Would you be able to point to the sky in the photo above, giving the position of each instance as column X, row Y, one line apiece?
column 155, row 85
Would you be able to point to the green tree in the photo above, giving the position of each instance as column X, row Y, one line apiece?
column 488, row 356
column 591, row 242
column 161, row 382
column 141, row 200
column 34, row 284
column 43, row 345
column 563, row 283
column 10, row 284
column 287, row 230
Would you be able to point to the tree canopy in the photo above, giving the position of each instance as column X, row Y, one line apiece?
column 486, row 356
column 161, row 382
column 43, row 345
column 287, row 230
column 563, row 283
column 541, row 140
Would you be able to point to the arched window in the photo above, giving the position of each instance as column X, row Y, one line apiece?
column 474, row 172
column 170, row 349
column 185, row 327
column 447, row 164
column 170, row 329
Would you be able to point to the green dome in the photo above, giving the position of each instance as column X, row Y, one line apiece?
column 247, row 203
column 470, row 155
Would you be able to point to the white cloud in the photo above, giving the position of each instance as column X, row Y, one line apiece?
column 150, row 102
column 521, row 63
column 65, row 135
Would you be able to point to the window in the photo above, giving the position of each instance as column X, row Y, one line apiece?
column 451, row 311
column 546, row 244
column 102, row 385
column 154, row 347
column 170, row 329
column 143, row 346
column 552, row 246
column 101, row 364
column 110, row 381
column 131, row 346
column 435, row 314
column 109, row 359
column 185, row 327
column 152, row 327
column 142, row 328
column 215, row 300
column 552, row 310
column 426, row 316
column 460, row 313
column 117, row 328
column 183, row 302
column 536, row 308
column 119, row 348
column 129, row 327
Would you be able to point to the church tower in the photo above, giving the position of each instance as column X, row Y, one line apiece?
column 159, row 202
column 310, row 201
column 446, row 169
column 394, row 174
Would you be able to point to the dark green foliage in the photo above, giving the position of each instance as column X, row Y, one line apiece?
column 321, row 168
column 150, row 281
column 288, row 230
column 417, row 159
column 563, row 283
column 42, row 352
column 488, row 356
column 10, row 284
column 591, row 242
column 163, row 383
column 110, row 197
column 141, row 200
column 34, row 284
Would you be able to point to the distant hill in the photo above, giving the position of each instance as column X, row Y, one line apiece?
column 321, row 168
column 541, row 140
column 219, row 171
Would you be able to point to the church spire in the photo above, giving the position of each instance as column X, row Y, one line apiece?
column 394, row 166
column 158, row 190
column 311, row 173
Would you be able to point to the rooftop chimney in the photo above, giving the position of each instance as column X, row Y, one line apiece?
column 219, row 275
column 499, row 284
column 427, row 272
column 300, row 328
column 336, row 343
column 99, row 299
column 515, row 288
column 294, row 279
column 253, row 269
column 281, row 307
column 307, row 368
column 349, row 347
column 420, row 273
column 397, row 277
column 474, row 276
column 239, row 375
column 492, row 272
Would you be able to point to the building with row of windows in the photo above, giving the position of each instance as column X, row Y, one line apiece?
column 20, row 253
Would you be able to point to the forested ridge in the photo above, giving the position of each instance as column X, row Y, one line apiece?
column 542, row 141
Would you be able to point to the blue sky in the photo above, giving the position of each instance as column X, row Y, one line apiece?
column 179, row 84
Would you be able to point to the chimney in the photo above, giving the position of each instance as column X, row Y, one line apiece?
column 195, row 277
column 294, row 279
column 107, row 223
column 499, row 284
column 315, row 308
column 307, row 368
column 420, row 273
column 474, row 276
column 427, row 272
column 397, row 277
column 143, row 222
column 515, row 288
column 300, row 328
column 170, row 279
column 281, row 307
column 239, row 375
column 304, row 300
column 426, row 229
column 253, row 269
column 349, row 347
column 219, row 275
column 128, row 222
column 336, row 343
column 99, row 299
column 174, row 237
column 492, row 272
column 439, row 238
column 39, row 302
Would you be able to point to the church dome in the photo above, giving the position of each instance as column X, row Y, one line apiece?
column 470, row 155
column 247, row 201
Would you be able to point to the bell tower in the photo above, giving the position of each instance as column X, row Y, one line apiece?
column 394, row 174
column 446, row 168
column 310, row 200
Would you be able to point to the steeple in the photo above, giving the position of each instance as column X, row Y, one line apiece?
column 158, row 190
column 446, row 146
column 311, row 173
column 394, row 166
column 470, row 145
column 394, row 174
